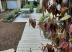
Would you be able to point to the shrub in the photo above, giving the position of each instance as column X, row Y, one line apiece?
column 28, row 6
column 31, row 10
column 39, row 10
column 11, row 16
column 31, row 5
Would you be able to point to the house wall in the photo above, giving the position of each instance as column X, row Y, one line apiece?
column 1, row 8
column 18, row 3
column 13, row 4
column 0, row 5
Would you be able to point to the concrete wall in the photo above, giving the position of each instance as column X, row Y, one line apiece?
column 0, row 5
column 18, row 3
column 1, row 9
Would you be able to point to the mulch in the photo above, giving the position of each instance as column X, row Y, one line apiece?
column 10, row 34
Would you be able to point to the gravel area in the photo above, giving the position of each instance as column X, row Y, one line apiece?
column 10, row 34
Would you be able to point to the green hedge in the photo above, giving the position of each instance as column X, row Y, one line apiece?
column 28, row 6
column 39, row 10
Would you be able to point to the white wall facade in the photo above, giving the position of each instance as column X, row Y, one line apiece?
column 14, row 4
column 1, row 7
column 18, row 3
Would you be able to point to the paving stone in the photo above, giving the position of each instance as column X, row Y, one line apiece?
column 31, row 38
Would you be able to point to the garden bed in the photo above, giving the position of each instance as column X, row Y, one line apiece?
column 10, row 35
column 9, row 16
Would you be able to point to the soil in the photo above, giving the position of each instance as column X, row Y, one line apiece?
column 10, row 35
